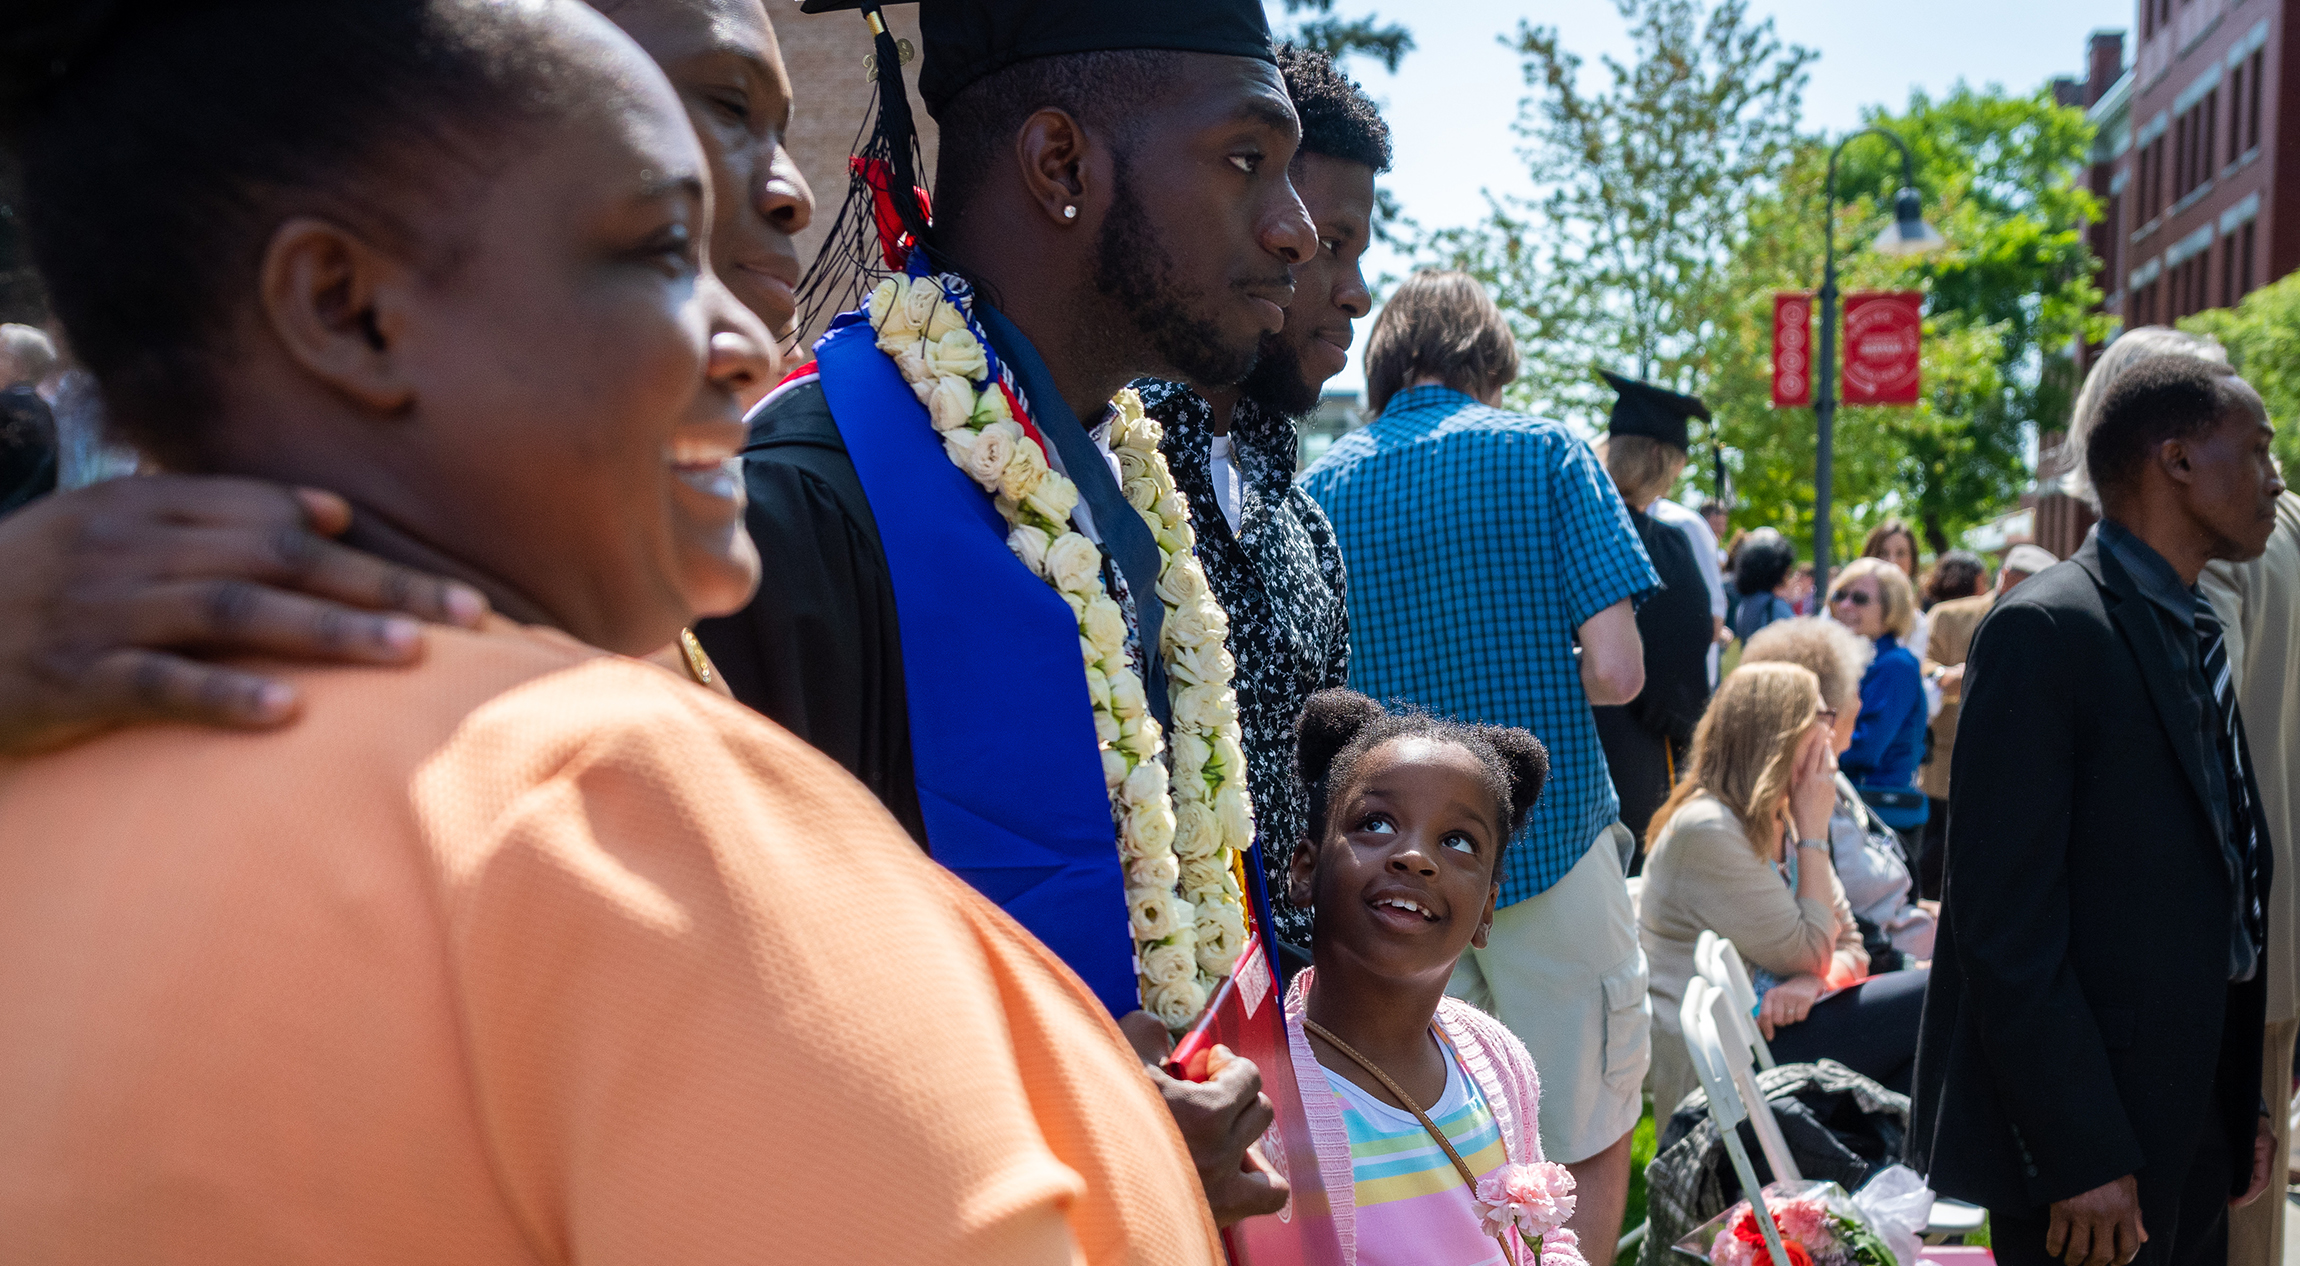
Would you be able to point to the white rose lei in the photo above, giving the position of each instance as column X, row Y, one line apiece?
column 1183, row 824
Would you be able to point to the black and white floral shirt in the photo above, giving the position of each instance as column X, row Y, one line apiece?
column 1280, row 578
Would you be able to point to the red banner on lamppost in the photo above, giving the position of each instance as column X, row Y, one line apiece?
column 1792, row 349
column 1884, row 332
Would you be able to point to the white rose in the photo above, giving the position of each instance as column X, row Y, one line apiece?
column 1141, row 737
column 1140, row 493
column 1114, row 769
column 1184, row 584
column 991, row 406
column 1176, row 1005
column 1185, row 627
column 910, row 362
column 1023, row 471
column 992, row 451
column 1201, row 708
column 919, row 304
column 1235, row 813
column 1150, row 826
column 1154, row 913
column 1128, row 402
column 1097, row 687
column 1132, row 466
column 1029, row 544
column 1202, row 872
column 1208, row 664
column 1197, row 834
column 1221, row 933
column 1127, row 697
column 1170, row 507
column 949, row 403
column 959, row 444
column 1077, row 607
column 1105, row 727
column 1074, row 564
column 1190, row 755
column 1105, row 624
column 1147, row 784
column 946, row 321
column 1153, row 872
column 1055, row 499
column 1167, row 965
column 957, row 354
column 1228, row 758
column 885, row 303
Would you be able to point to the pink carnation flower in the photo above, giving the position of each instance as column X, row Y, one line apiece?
column 1805, row 1220
column 1534, row 1199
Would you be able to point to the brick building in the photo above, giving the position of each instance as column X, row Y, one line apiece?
column 2199, row 184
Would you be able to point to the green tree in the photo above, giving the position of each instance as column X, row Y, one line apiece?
column 1642, row 186
column 2004, row 302
column 1339, row 37
column 2262, row 335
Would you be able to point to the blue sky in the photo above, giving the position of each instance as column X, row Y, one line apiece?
column 1453, row 99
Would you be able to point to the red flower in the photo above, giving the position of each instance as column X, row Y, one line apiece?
column 1745, row 1230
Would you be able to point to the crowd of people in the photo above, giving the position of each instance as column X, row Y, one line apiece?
column 538, row 767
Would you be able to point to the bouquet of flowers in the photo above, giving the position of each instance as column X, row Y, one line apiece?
column 1819, row 1224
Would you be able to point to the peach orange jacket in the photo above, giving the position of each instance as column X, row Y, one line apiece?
column 535, row 954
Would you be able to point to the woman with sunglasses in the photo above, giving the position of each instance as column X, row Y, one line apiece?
column 1742, row 849
column 1873, row 598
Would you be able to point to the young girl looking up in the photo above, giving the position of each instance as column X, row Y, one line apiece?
column 1411, row 816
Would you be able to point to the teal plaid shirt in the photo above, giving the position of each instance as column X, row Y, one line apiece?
column 1477, row 542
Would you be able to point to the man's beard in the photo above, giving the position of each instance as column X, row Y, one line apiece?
column 1132, row 266
column 1277, row 383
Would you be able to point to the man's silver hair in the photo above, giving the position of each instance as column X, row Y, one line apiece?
column 2130, row 348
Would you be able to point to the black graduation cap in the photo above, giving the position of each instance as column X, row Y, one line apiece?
column 967, row 40
column 1651, row 411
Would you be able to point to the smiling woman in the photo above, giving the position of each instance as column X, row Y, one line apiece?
column 563, row 908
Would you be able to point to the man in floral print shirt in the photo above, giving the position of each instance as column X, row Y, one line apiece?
column 1267, row 548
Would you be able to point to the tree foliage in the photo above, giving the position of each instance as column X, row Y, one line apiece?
column 1676, row 197
column 1641, row 184
column 2262, row 335
column 1387, row 43
column 2005, row 300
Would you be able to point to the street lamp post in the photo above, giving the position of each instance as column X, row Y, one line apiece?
column 1907, row 235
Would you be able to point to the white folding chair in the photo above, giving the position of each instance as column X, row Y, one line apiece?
column 1735, row 1032
column 1735, row 1026
column 1726, row 1107
column 1724, row 968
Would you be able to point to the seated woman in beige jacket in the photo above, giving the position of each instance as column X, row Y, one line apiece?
column 1741, row 849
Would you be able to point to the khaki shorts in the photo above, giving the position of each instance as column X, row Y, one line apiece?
column 1564, row 972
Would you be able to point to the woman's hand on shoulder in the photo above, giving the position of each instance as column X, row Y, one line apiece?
column 110, row 586
column 1788, row 1003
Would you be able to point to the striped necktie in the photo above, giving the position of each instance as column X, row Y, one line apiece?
column 2244, row 836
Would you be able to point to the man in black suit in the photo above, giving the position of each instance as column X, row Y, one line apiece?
column 2089, row 1061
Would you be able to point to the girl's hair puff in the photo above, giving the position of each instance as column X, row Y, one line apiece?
column 1338, row 727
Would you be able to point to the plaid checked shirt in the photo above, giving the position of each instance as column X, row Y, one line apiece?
column 1478, row 541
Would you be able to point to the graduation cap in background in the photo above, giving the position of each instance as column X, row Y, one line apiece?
column 1654, row 412
column 886, row 209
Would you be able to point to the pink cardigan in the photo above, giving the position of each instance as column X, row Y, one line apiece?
column 1492, row 1056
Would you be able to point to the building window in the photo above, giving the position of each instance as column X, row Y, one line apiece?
column 2211, row 145
column 2252, row 106
column 2236, row 114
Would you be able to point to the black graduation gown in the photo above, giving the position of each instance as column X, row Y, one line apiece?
column 818, row 649
column 1645, row 737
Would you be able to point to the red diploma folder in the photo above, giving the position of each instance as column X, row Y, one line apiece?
column 1248, row 1015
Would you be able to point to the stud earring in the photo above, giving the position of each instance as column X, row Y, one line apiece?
column 1069, row 213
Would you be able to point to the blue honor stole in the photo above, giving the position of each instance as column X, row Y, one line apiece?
column 1009, row 767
